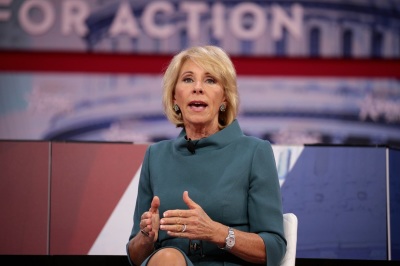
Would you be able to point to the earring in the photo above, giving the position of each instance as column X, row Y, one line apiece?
column 176, row 108
column 222, row 108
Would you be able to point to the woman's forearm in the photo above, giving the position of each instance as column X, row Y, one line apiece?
column 248, row 246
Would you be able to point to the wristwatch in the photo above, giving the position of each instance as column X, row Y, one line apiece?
column 230, row 239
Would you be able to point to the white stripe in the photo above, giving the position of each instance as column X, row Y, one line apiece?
column 114, row 235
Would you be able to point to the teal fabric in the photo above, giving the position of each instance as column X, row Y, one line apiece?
column 231, row 176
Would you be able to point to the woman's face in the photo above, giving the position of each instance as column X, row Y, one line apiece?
column 199, row 96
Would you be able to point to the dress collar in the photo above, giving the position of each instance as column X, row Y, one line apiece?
column 213, row 142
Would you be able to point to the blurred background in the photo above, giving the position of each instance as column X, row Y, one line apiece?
column 309, row 72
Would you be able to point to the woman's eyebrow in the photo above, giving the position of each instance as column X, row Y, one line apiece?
column 186, row 72
column 191, row 72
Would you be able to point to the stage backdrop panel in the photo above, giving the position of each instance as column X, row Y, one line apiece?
column 340, row 197
column 24, row 197
column 394, row 204
column 339, row 193
column 88, row 181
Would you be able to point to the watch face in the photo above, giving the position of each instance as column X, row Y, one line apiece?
column 230, row 240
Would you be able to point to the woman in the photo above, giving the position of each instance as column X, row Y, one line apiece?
column 211, row 196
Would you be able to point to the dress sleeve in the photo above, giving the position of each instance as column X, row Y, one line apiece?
column 265, row 203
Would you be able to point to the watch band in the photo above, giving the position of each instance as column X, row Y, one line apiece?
column 230, row 239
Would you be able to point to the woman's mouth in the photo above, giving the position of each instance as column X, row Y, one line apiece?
column 197, row 105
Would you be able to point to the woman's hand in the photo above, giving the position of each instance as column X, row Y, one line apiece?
column 142, row 245
column 150, row 221
column 193, row 223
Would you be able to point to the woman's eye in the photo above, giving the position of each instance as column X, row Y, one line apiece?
column 210, row 81
column 187, row 80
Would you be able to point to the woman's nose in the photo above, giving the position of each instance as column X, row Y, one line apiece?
column 198, row 88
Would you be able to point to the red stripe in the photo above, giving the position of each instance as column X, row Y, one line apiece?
column 155, row 64
column 88, row 180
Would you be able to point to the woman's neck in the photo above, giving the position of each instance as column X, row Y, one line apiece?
column 195, row 133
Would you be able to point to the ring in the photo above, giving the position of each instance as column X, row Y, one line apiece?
column 144, row 232
column 184, row 228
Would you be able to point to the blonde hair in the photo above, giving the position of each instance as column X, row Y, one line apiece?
column 214, row 60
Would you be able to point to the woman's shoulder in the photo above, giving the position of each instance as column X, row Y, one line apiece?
column 255, row 140
column 162, row 144
column 247, row 139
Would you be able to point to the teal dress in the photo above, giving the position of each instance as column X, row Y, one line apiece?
column 231, row 176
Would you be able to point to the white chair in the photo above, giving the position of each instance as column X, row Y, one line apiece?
column 290, row 224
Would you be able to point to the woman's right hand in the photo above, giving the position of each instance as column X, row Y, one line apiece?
column 150, row 220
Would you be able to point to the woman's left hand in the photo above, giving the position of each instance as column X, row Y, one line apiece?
column 193, row 223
